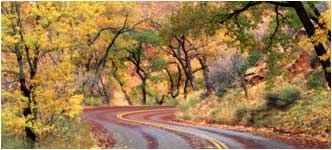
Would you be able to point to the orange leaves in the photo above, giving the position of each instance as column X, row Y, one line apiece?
column 102, row 21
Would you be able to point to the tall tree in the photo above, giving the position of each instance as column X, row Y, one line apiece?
column 137, row 56
column 37, row 35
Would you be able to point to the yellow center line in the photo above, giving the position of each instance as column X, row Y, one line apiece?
column 215, row 142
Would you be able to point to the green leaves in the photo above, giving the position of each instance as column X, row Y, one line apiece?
column 191, row 21
column 158, row 64
column 253, row 58
column 315, row 81
column 147, row 36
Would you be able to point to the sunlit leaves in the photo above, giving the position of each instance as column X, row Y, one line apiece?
column 326, row 17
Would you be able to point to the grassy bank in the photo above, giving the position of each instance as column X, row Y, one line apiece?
column 287, row 108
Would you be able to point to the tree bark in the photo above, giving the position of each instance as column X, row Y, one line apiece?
column 123, row 90
column 185, row 91
column 188, row 69
column 174, row 90
column 30, row 134
column 26, row 91
column 208, row 86
column 143, row 88
column 191, row 77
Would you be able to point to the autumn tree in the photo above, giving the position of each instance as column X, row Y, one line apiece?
column 302, row 15
column 137, row 56
column 38, row 36
column 176, row 43
column 174, row 79
column 98, row 42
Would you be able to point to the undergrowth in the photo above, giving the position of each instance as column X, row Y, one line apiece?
column 185, row 105
column 286, row 106
column 72, row 134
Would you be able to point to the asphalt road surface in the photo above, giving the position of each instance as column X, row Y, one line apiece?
column 154, row 127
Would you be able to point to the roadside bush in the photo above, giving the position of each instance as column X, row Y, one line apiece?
column 93, row 101
column 213, row 114
column 150, row 100
column 172, row 102
column 243, row 115
column 74, row 133
column 189, row 102
column 311, row 114
column 67, row 133
column 283, row 97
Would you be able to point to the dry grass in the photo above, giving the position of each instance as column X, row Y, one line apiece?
column 309, row 114
column 72, row 135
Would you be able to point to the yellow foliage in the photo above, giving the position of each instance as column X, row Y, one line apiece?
column 326, row 17
column 326, row 56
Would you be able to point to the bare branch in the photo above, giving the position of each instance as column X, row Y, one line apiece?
column 237, row 12
column 276, row 29
column 283, row 4
column 91, row 41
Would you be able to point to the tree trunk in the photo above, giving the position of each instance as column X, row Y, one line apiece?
column 121, row 83
column 104, row 91
column 174, row 90
column 244, row 87
column 316, row 18
column 143, row 91
column 123, row 90
column 30, row 134
column 310, row 29
column 185, row 91
column 205, row 69
column 161, row 100
column 190, row 76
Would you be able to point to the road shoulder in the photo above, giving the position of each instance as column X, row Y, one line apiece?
column 297, row 140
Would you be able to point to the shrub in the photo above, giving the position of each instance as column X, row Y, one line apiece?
column 150, row 100
column 283, row 97
column 242, row 114
column 213, row 114
column 200, row 81
column 315, row 81
column 74, row 133
column 172, row 102
column 189, row 102
column 290, row 93
column 9, row 141
column 271, row 98
column 253, row 58
column 67, row 133
column 222, row 89
column 93, row 101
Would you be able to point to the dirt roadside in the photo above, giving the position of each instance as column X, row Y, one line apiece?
column 298, row 140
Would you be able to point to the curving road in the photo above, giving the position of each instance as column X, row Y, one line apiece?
column 152, row 127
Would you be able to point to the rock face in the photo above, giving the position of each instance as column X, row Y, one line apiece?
column 257, row 73
column 301, row 66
